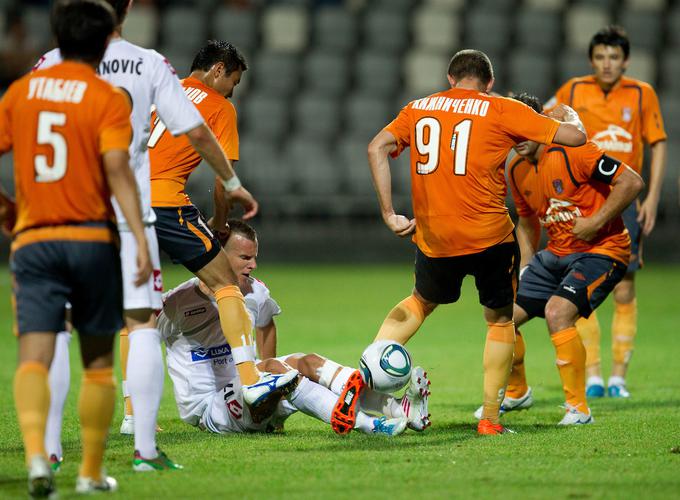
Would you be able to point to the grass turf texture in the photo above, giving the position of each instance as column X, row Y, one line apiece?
column 336, row 311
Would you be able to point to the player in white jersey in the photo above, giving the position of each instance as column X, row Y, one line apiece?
column 206, row 384
column 149, row 80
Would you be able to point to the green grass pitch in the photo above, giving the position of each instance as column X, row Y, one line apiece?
column 630, row 452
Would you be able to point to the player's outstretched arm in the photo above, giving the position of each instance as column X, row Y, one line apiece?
column 378, row 150
column 528, row 237
column 571, row 131
column 657, row 167
column 625, row 188
column 124, row 189
column 205, row 143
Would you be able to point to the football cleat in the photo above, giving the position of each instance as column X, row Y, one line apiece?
column 616, row 388
column 41, row 479
column 486, row 428
column 344, row 414
column 575, row 417
column 511, row 404
column 87, row 485
column 55, row 463
column 389, row 427
column 415, row 400
column 269, row 385
column 161, row 462
column 595, row 387
column 127, row 426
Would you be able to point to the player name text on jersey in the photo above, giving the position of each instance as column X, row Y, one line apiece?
column 56, row 89
column 477, row 107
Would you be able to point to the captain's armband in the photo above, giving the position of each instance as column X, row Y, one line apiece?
column 606, row 169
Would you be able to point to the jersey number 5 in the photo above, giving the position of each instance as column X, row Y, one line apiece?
column 43, row 171
column 428, row 139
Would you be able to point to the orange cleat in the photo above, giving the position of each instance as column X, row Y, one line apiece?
column 344, row 414
column 487, row 428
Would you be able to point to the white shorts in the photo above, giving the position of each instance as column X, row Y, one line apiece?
column 149, row 295
column 225, row 412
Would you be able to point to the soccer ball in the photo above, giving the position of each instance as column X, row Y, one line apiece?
column 385, row 366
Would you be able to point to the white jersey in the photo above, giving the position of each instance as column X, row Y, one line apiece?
column 199, row 358
column 149, row 80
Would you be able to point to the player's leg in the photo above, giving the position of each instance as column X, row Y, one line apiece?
column 127, row 426
column 60, row 381
column 589, row 330
column 404, row 320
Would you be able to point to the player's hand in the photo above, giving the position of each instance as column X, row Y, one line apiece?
column 647, row 216
column 144, row 267
column 563, row 113
column 585, row 228
column 400, row 225
column 222, row 232
column 242, row 196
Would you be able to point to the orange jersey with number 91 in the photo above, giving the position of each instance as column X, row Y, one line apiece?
column 459, row 140
column 59, row 121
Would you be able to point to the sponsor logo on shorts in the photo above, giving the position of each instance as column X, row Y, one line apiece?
column 569, row 289
column 157, row 281
column 579, row 276
column 194, row 312
column 205, row 353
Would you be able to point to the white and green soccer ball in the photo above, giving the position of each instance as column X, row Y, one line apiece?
column 385, row 366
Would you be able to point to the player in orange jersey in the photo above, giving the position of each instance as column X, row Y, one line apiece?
column 70, row 131
column 577, row 195
column 459, row 139
column 621, row 115
column 182, row 231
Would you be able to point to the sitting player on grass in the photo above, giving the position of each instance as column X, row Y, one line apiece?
column 207, row 387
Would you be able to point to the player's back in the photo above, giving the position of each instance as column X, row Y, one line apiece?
column 61, row 120
column 459, row 140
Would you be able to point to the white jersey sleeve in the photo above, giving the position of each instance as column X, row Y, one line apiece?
column 260, row 305
column 176, row 111
column 47, row 60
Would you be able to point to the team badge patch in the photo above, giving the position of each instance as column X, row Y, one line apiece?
column 626, row 114
column 557, row 184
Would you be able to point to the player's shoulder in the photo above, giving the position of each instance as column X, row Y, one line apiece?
column 645, row 87
column 259, row 288
column 175, row 295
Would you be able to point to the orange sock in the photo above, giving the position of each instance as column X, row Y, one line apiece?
column 589, row 330
column 624, row 329
column 95, row 406
column 32, row 400
column 237, row 329
column 124, row 350
column 498, row 350
column 571, row 363
column 517, row 382
column 403, row 321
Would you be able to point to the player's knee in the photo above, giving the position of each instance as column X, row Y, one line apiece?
column 273, row 366
column 624, row 291
column 309, row 364
column 424, row 306
column 557, row 315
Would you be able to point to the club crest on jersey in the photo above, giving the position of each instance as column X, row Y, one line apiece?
column 626, row 114
column 557, row 184
column 205, row 353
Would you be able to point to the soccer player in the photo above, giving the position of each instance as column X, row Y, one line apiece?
column 621, row 115
column 207, row 388
column 70, row 131
column 147, row 79
column 459, row 139
column 577, row 195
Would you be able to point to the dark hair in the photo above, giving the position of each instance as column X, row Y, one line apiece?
column 530, row 100
column 120, row 7
column 82, row 28
column 471, row 63
column 239, row 227
column 218, row 51
column 613, row 36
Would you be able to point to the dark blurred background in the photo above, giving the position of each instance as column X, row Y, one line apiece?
column 326, row 75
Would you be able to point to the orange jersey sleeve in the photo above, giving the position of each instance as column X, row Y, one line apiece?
column 518, row 170
column 223, row 125
column 522, row 123
column 652, row 120
column 400, row 129
column 57, row 122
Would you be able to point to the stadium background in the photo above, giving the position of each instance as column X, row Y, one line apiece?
column 325, row 75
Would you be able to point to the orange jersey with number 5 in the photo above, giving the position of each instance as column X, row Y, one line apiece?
column 59, row 121
column 174, row 158
column 459, row 140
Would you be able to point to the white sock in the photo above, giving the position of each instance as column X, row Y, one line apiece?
column 313, row 399
column 341, row 379
column 615, row 380
column 364, row 423
column 60, row 381
column 145, row 382
column 383, row 404
column 595, row 380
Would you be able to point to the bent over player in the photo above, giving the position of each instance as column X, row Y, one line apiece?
column 577, row 195
column 459, row 139
column 70, row 131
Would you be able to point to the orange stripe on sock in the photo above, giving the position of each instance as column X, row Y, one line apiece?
column 625, row 308
column 564, row 336
column 32, row 366
column 228, row 291
column 501, row 332
column 102, row 376
column 415, row 306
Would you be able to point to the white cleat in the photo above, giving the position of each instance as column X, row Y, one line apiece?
column 269, row 385
column 389, row 426
column 576, row 417
column 511, row 404
column 616, row 388
column 415, row 400
column 40, row 479
column 127, row 426
column 87, row 485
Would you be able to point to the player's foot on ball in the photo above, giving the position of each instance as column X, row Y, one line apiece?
column 575, row 417
column 344, row 414
column 389, row 426
column 415, row 400
column 161, row 462
column 616, row 388
column 595, row 387
column 487, row 428
column 127, row 426
column 87, row 485
column 269, row 385
column 41, row 479
column 55, row 463
column 511, row 404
